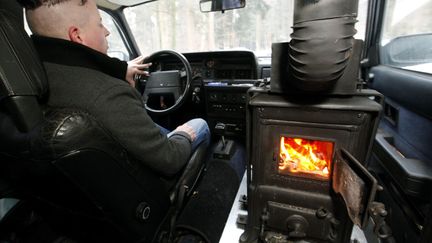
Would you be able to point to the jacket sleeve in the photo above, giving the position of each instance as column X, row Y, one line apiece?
column 121, row 111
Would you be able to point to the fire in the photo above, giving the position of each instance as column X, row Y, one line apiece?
column 298, row 155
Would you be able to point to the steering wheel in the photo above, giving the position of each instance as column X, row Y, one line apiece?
column 162, row 84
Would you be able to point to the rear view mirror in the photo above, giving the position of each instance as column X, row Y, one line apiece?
column 221, row 5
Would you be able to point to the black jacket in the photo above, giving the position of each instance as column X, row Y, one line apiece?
column 82, row 78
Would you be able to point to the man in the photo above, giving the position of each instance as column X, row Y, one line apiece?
column 71, row 41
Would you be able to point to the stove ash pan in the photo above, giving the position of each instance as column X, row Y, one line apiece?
column 295, row 201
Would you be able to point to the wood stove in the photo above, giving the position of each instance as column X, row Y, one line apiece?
column 293, row 143
column 305, row 127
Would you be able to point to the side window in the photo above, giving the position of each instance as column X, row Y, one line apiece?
column 361, row 17
column 116, row 44
column 406, row 40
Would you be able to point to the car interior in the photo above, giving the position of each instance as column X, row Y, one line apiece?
column 357, row 109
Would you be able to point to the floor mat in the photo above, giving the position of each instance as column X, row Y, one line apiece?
column 207, row 211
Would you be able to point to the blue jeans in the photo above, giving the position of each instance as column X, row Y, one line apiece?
column 201, row 128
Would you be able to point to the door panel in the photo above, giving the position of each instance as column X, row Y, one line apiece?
column 407, row 110
column 402, row 151
column 398, row 46
column 409, row 88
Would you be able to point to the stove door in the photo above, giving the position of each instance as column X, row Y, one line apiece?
column 355, row 185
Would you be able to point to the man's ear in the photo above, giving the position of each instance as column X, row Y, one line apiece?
column 74, row 34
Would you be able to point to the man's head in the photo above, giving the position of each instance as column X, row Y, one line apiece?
column 74, row 20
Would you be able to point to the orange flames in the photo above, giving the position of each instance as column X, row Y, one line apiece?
column 298, row 155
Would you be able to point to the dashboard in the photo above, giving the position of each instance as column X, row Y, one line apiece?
column 220, row 83
column 217, row 65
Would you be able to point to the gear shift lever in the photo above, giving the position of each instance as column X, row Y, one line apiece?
column 225, row 147
column 220, row 130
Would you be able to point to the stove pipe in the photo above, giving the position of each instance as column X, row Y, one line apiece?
column 322, row 42
column 322, row 56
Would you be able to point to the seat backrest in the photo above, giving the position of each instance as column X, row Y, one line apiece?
column 23, row 80
column 63, row 160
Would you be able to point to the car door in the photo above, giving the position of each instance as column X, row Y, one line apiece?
column 398, row 64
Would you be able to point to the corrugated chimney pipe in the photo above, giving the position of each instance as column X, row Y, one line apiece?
column 322, row 42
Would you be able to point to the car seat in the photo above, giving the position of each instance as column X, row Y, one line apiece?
column 67, row 165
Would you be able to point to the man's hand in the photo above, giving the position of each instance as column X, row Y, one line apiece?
column 135, row 67
column 187, row 129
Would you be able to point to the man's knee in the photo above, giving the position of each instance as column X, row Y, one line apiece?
column 203, row 123
column 198, row 123
column 201, row 128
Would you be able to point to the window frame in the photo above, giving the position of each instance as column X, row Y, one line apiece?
column 124, row 31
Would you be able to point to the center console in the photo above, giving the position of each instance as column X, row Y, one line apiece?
column 226, row 103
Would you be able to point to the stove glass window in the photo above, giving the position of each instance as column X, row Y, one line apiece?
column 305, row 157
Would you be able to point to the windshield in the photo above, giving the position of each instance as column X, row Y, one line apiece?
column 179, row 25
